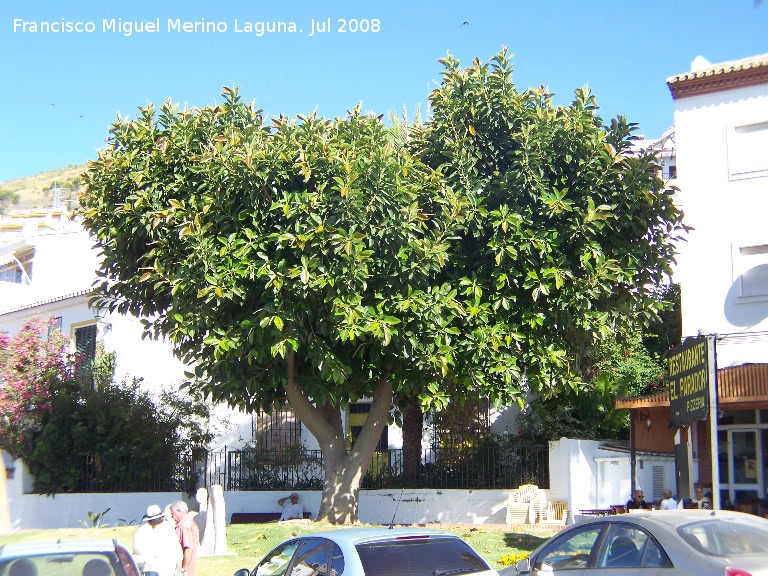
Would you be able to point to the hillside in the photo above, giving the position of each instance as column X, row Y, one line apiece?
column 38, row 191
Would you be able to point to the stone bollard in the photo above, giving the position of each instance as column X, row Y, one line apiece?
column 217, row 509
column 204, row 523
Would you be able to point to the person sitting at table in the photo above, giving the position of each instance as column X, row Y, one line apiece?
column 699, row 500
column 667, row 500
column 637, row 502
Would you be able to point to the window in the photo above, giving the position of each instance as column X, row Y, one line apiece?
column 727, row 537
column 626, row 546
column 658, row 482
column 85, row 342
column 16, row 268
column 276, row 430
column 312, row 559
column 54, row 326
column 420, row 556
column 747, row 144
column 85, row 346
column 672, row 172
column 750, row 269
column 74, row 563
column 276, row 563
column 571, row 552
column 358, row 414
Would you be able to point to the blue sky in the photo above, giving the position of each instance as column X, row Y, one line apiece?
column 61, row 91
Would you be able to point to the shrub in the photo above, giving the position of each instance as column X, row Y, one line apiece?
column 78, row 430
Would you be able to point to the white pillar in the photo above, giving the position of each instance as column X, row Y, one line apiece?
column 218, row 511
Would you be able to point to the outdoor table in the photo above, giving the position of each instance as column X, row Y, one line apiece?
column 595, row 512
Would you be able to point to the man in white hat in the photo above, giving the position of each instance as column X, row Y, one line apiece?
column 155, row 546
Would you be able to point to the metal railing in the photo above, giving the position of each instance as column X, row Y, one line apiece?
column 100, row 473
column 491, row 467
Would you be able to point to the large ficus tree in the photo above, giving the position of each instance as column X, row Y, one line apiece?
column 318, row 262
column 286, row 261
column 576, row 230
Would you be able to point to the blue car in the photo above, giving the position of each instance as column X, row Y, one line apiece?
column 372, row 552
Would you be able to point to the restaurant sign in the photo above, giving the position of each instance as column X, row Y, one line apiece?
column 688, row 377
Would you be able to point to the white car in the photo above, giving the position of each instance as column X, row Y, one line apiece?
column 372, row 552
column 67, row 557
column 655, row 543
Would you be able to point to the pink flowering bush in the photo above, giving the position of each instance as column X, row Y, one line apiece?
column 33, row 365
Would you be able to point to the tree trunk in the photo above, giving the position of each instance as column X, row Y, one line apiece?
column 413, row 431
column 344, row 470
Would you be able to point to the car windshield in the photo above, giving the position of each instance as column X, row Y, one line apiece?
column 727, row 537
column 62, row 564
column 420, row 557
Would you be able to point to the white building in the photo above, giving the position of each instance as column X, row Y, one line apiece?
column 721, row 124
column 721, row 144
column 47, row 268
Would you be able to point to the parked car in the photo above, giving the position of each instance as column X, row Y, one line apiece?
column 67, row 558
column 372, row 552
column 679, row 542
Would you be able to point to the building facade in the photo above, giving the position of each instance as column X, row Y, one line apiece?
column 721, row 146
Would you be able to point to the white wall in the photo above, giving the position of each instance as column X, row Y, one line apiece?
column 727, row 213
column 587, row 475
column 30, row 511
column 375, row 507
column 72, row 311
column 152, row 360
column 583, row 473
column 64, row 262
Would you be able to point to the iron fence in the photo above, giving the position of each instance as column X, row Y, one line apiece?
column 491, row 467
column 99, row 473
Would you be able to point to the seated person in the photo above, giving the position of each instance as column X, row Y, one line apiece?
column 699, row 500
column 637, row 502
column 667, row 501
column 291, row 507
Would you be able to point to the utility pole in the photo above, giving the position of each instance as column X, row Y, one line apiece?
column 56, row 191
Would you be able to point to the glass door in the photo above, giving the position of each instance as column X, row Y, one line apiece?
column 744, row 468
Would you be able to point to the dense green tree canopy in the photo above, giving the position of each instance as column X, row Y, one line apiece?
column 244, row 242
column 575, row 230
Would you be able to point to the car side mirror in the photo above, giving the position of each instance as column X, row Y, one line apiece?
column 523, row 565
column 242, row 572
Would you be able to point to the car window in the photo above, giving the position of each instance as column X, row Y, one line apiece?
column 312, row 559
column 626, row 546
column 81, row 564
column 726, row 537
column 276, row 562
column 571, row 552
column 420, row 557
column 337, row 560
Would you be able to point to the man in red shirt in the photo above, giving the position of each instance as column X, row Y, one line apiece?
column 189, row 536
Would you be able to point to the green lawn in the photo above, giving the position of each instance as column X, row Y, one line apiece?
column 247, row 543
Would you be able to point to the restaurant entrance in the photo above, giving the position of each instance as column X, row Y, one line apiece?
column 743, row 456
